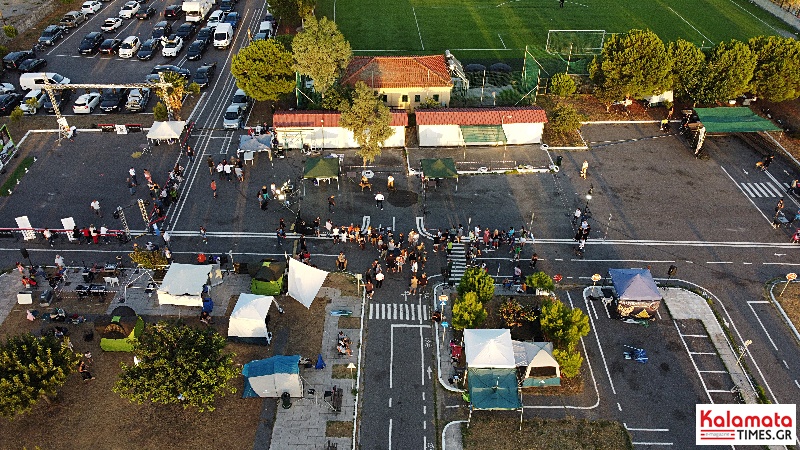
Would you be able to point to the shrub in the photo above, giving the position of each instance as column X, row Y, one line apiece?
column 569, row 362
column 540, row 280
column 564, row 326
column 159, row 112
column 562, row 85
column 478, row 281
column 10, row 31
column 514, row 314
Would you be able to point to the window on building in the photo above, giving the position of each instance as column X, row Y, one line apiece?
column 436, row 97
column 416, row 99
column 405, row 99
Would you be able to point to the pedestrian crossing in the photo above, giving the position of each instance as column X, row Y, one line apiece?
column 762, row 190
column 459, row 258
column 398, row 311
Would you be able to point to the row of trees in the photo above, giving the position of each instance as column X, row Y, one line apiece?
column 638, row 64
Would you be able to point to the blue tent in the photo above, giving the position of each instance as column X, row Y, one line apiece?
column 272, row 377
column 493, row 388
column 637, row 293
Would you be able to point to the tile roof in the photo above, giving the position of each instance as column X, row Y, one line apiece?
column 312, row 119
column 398, row 71
column 481, row 116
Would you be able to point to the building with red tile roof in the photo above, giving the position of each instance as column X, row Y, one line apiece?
column 320, row 129
column 453, row 127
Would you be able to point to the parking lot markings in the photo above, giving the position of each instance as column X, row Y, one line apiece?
column 699, row 375
column 702, row 353
column 778, row 192
column 599, row 345
column 712, row 371
column 696, row 335
column 652, row 443
column 797, row 384
column 759, row 190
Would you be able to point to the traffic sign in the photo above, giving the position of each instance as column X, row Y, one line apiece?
column 557, row 278
column 791, row 276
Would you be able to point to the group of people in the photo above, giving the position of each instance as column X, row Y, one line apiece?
column 475, row 236
column 227, row 168
column 343, row 345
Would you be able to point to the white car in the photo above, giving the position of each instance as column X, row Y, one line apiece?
column 91, row 7
column 38, row 97
column 111, row 24
column 216, row 18
column 129, row 9
column 129, row 47
column 86, row 103
column 7, row 88
column 172, row 46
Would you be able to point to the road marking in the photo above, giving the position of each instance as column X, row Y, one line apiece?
column 501, row 40
column 758, row 301
column 600, row 346
column 653, row 443
column 371, row 307
column 619, row 407
column 391, row 349
column 644, row 429
column 712, row 371
column 702, row 381
column 696, row 335
column 796, row 383
column 748, row 197
column 780, row 264
column 702, row 353
column 785, row 364
column 390, row 434
column 747, row 188
column 719, row 262
column 390, row 402
column 762, row 326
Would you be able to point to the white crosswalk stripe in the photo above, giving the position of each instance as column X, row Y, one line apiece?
column 762, row 190
column 459, row 258
column 398, row 312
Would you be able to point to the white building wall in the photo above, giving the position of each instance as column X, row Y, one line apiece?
column 332, row 138
column 523, row 133
column 439, row 135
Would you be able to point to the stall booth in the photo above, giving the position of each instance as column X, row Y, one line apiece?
column 637, row 295
column 491, row 371
column 536, row 366
column 272, row 377
column 166, row 131
column 322, row 169
column 183, row 284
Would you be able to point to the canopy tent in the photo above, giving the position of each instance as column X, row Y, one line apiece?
column 540, row 368
column 183, row 284
column 120, row 330
column 493, row 389
column 733, row 120
column 439, row 168
column 321, row 168
column 637, row 292
column 260, row 143
column 162, row 131
column 304, row 282
column 247, row 318
column 489, row 348
column 268, row 279
column 272, row 377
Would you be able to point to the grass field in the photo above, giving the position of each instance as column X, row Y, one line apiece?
column 500, row 29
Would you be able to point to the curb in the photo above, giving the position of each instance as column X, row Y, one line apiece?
column 444, row 432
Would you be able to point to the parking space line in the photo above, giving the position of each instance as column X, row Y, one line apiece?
column 652, row 443
column 748, row 197
column 702, row 381
column 696, row 335
column 702, row 353
column 758, row 301
column 594, row 311
column 796, row 383
column 599, row 346
column 720, row 390
column 762, row 326
column 712, row 371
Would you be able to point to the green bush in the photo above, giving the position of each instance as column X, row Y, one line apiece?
column 562, row 85
column 468, row 312
column 540, row 280
column 478, row 281
column 10, row 31
column 569, row 362
column 564, row 326
column 159, row 112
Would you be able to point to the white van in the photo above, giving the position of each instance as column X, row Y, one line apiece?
column 223, row 35
column 28, row 81
column 266, row 27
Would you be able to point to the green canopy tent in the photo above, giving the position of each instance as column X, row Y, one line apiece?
column 439, row 168
column 320, row 168
column 494, row 389
column 725, row 120
column 268, row 278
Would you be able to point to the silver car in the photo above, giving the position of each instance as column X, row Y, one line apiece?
column 233, row 117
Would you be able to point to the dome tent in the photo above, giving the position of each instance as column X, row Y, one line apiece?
column 120, row 330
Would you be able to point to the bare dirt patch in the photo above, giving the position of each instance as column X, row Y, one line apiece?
column 790, row 301
column 335, row 428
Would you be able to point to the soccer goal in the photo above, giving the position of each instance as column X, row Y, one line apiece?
column 569, row 43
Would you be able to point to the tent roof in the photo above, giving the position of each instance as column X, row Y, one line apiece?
column 733, row 120
column 534, row 354
column 166, row 130
column 254, row 143
column 321, row 168
column 304, row 282
column 634, row 284
column 270, row 271
column 185, row 279
column 252, row 306
column 272, row 365
column 123, row 311
column 493, row 388
column 439, row 168
column 489, row 348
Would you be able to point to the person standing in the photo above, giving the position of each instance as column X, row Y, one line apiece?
column 379, row 279
column 203, row 235
column 95, row 206
column 210, row 162
column 166, row 238
column 220, row 170
column 190, row 153
column 390, row 183
column 83, row 369
column 263, row 198
column 412, row 287
column 584, row 169
column 59, row 262
column 379, row 200
column 104, row 233
column 517, row 274
column 561, row 3
column 228, row 170
column 214, row 188
column 576, row 216
column 48, row 236
column 131, row 186
column 779, row 207
column 331, row 203
column 534, row 260
column 132, row 174
column 341, row 262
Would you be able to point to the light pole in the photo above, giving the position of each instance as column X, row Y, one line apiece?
column 352, row 366
column 586, row 212
column 742, row 350
column 322, row 121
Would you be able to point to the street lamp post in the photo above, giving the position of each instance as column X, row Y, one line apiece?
column 742, row 350
column 322, row 121
column 586, row 212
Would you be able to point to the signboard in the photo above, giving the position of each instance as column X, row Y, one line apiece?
column 134, row 127
column 121, row 129
column 791, row 276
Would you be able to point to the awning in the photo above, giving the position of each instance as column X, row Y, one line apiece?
column 319, row 167
column 483, row 134
column 166, row 130
column 733, row 120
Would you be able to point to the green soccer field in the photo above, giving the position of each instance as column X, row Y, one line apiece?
column 501, row 29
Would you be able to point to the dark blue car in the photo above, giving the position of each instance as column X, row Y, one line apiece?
column 232, row 18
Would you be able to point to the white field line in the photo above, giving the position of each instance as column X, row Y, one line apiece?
column 687, row 23
column 418, row 31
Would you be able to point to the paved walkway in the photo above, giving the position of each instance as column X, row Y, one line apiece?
column 779, row 12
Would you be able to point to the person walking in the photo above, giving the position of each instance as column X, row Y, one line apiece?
column 132, row 174
column 779, row 207
column 214, row 188
column 203, row 235
column 95, row 206
column 584, row 169
column 412, row 287
column 331, row 203
column 104, row 233
column 390, row 183
column 576, row 216
column 190, row 153
column 228, row 170
column 263, row 198
column 379, row 200
column 369, row 289
column 59, row 262
column 534, row 260
column 220, row 170
column 210, row 162
column 165, row 235
column 379, row 279
column 517, row 274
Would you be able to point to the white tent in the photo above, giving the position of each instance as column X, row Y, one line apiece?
column 183, row 285
column 247, row 318
column 166, row 130
column 532, row 355
column 489, row 349
column 304, row 282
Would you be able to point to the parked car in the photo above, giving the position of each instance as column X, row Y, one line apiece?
column 241, row 99
column 262, row 36
column 204, row 74
column 129, row 9
column 14, row 59
column 32, row 65
column 86, row 103
column 111, row 24
column 161, row 30
column 90, row 43
column 232, row 18
column 172, row 46
column 72, row 19
column 51, row 34
column 205, row 34
column 130, row 45
column 8, row 102
column 61, row 96
column 145, row 13
column 148, row 49
column 186, row 31
column 6, row 88
column 227, row 5
column 137, row 100
column 112, row 99
column 110, row 46
column 196, row 50
column 173, row 12
column 216, row 18
column 153, row 77
column 91, row 7
column 233, row 117
column 32, row 101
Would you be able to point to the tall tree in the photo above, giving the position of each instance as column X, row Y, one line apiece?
column 468, row 312
column 290, row 11
column 688, row 61
column 32, row 369
column 478, row 281
column 727, row 72
column 263, row 70
column 172, row 96
column 635, row 64
column 369, row 120
column 565, row 326
column 777, row 74
column 321, row 52
column 178, row 364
